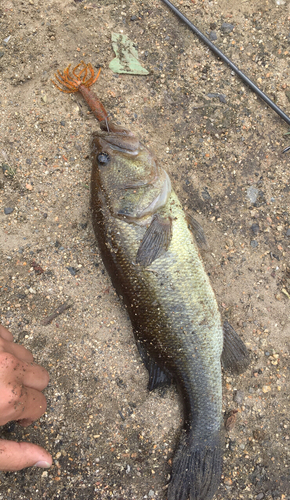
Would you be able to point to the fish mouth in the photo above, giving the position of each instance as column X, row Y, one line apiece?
column 120, row 140
column 122, row 149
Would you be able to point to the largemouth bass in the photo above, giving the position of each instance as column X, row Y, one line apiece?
column 149, row 249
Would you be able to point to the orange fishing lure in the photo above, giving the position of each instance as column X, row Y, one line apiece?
column 82, row 77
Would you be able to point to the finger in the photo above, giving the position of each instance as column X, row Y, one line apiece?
column 31, row 405
column 5, row 334
column 17, row 350
column 22, row 403
column 35, row 376
column 14, row 371
column 16, row 456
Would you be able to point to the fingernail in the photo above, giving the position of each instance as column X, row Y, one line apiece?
column 42, row 464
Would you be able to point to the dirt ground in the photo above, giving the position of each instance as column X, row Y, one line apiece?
column 222, row 147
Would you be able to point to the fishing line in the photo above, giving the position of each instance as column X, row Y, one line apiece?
column 222, row 56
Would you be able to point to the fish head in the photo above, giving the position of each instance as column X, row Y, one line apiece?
column 126, row 172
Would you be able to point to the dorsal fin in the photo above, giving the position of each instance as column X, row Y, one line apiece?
column 197, row 232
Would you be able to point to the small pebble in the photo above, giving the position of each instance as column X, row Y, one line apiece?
column 254, row 244
column 260, row 496
column 8, row 210
column 238, row 397
column 259, row 434
column 205, row 194
column 255, row 228
column 213, row 35
column 232, row 444
column 227, row 27
column 221, row 97
column 288, row 232
column 72, row 270
column 252, row 194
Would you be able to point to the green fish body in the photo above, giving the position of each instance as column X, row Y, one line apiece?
column 151, row 255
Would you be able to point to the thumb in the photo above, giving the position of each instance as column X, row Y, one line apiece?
column 16, row 456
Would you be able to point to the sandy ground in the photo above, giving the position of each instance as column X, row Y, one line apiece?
column 109, row 437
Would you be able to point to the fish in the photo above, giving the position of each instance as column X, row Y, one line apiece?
column 148, row 244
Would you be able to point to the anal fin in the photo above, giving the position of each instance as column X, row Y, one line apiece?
column 235, row 355
column 158, row 377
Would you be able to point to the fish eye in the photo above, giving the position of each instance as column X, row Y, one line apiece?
column 103, row 158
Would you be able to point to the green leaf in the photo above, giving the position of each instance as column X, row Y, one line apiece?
column 126, row 60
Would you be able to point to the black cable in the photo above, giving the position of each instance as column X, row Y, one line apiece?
column 230, row 63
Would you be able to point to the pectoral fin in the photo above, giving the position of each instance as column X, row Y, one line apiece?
column 197, row 232
column 158, row 377
column 155, row 242
column 235, row 355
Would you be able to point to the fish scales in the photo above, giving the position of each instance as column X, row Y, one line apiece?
column 173, row 308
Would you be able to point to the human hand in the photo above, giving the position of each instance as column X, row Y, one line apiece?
column 21, row 399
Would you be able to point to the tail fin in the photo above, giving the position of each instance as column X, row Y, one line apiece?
column 196, row 471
